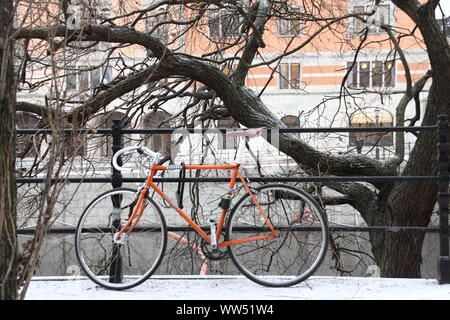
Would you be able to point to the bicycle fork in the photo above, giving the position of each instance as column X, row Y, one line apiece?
column 138, row 210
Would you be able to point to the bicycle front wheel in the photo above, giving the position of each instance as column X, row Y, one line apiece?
column 121, row 264
column 295, row 253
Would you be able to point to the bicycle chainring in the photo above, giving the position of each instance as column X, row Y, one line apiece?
column 214, row 254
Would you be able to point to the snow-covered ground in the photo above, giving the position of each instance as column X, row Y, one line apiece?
column 240, row 288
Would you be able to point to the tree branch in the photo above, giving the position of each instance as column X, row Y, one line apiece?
column 255, row 42
column 39, row 110
column 417, row 89
column 96, row 32
column 242, row 103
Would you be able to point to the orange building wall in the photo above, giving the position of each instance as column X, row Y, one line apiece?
column 338, row 40
column 328, row 41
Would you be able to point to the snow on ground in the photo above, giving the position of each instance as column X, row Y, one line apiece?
column 240, row 288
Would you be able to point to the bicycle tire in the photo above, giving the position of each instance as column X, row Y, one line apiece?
column 119, row 266
column 299, row 249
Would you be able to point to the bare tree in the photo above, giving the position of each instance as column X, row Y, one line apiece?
column 8, row 237
column 212, row 82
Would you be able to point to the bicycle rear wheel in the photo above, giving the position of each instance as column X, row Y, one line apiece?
column 115, row 265
column 302, row 239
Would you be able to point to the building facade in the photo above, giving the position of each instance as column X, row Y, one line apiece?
column 327, row 79
column 335, row 70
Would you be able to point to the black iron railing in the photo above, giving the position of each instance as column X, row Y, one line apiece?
column 442, row 177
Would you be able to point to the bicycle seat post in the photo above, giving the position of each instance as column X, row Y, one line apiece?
column 240, row 149
column 247, row 134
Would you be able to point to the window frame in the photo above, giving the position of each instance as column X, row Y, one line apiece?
column 162, row 31
column 76, row 145
column 384, row 11
column 157, row 142
column 107, row 122
column 385, row 75
column 372, row 139
column 74, row 76
column 26, row 120
column 287, row 82
column 286, row 27
column 291, row 121
column 218, row 20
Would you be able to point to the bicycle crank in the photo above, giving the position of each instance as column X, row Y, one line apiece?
column 217, row 253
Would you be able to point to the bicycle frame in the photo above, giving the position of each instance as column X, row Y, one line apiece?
column 149, row 184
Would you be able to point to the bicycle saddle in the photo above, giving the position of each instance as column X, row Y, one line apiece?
column 250, row 133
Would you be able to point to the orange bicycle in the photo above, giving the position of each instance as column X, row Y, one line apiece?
column 276, row 235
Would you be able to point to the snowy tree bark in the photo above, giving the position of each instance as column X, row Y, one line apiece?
column 8, row 238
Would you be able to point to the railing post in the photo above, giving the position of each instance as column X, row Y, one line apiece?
column 115, row 271
column 116, row 132
column 443, row 200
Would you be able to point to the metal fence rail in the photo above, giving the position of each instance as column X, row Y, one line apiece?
column 442, row 177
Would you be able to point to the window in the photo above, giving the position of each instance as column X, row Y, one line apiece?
column 157, row 28
column 85, row 13
column 226, row 142
column 71, row 80
column 289, row 75
column 25, row 144
column 389, row 73
column 230, row 68
column 371, row 117
column 107, row 122
column 289, row 24
column 95, row 77
column 358, row 25
column 292, row 121
column 382, row 16
column 224, row 24
column 84, row 78
column 444, row 26
column 89, row 15
column 365, row 74
column 75, row 145
column 158, row 142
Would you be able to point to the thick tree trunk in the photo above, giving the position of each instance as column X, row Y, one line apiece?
column 399, row 254
column 411, row 203
column 8, row 239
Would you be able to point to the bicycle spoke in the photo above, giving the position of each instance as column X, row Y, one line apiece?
column 125, row 262
column 300, row 246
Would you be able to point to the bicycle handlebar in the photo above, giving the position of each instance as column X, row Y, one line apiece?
column 127, row 150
